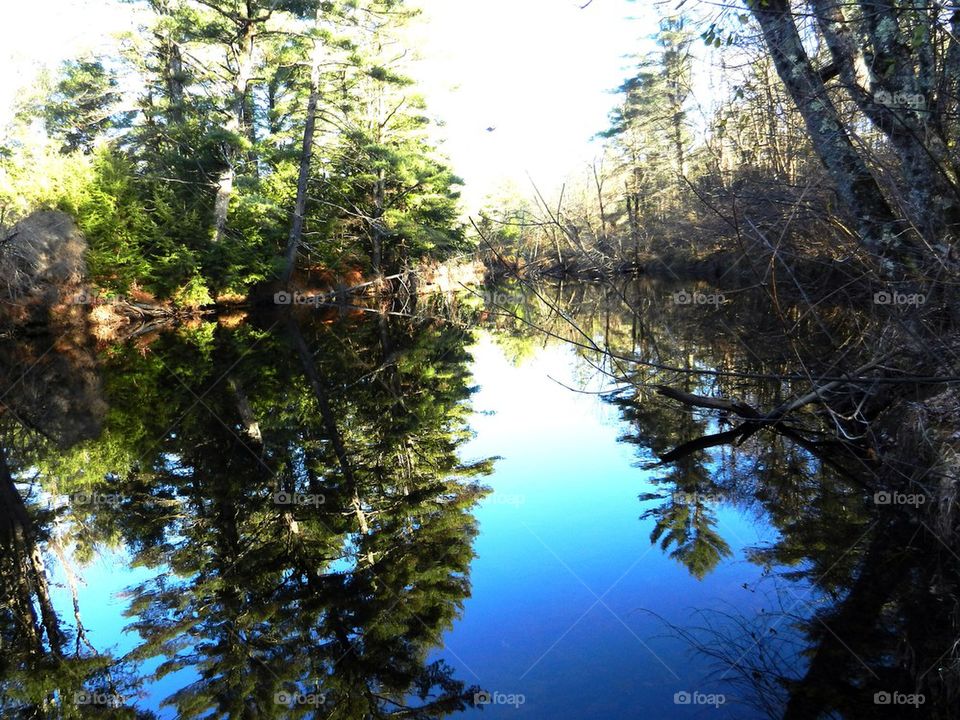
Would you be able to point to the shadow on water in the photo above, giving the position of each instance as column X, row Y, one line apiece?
column 293, row 497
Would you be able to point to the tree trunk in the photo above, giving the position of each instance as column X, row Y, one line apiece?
column 174, row 81
column 826, row 684
column 221, row 205
column 330, row 423
column 236, row 125
column 306, row 155
column 250, row 126
column 932, row 197
column 18, row 534
column 377, row 230
column 172, row 61
column 250, row 424
column 633, row 218
column 857, row 190
column 598, row 182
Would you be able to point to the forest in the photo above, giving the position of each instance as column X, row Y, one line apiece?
column 267, row 138
column 261, row 132
column 293, row 426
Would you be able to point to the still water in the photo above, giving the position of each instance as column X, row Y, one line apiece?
column 569, row 594
column 357, row 515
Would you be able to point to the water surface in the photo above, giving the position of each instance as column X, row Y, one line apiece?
column 353, row 514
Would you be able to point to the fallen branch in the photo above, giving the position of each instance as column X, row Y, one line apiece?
column 730, row 405
column 748, row 412
column 754, row 421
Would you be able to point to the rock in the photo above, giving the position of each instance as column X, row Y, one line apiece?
column 41, row 253
column 51, row 384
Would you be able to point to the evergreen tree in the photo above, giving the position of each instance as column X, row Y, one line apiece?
column 83, row 105
column 649, row 132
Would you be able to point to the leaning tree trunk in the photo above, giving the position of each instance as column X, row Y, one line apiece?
column 306, row 155
column 857, row 189
column 318, row 385
column 914, row 132
column 830, row 679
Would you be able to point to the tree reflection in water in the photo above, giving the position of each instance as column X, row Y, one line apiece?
column 296, row 494
column 299, row 498
column 868, row 589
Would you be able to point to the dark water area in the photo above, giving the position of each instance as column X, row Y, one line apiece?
column 366, row 515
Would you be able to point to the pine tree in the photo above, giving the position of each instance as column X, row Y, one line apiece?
column 83, row 105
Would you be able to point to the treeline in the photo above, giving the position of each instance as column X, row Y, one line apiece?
column 229, row 140
column 831, row 134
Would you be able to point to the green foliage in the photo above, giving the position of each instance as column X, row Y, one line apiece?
column 83, row 105
column 34, row 175
column 388, row 192
column 283, row 596
column 113, row 218
column 649, row 130
column 194, row 294
column 146, row 198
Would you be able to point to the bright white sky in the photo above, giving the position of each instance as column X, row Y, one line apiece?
column 539, row 71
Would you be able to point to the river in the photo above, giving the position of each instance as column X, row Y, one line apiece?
column 352, row 514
